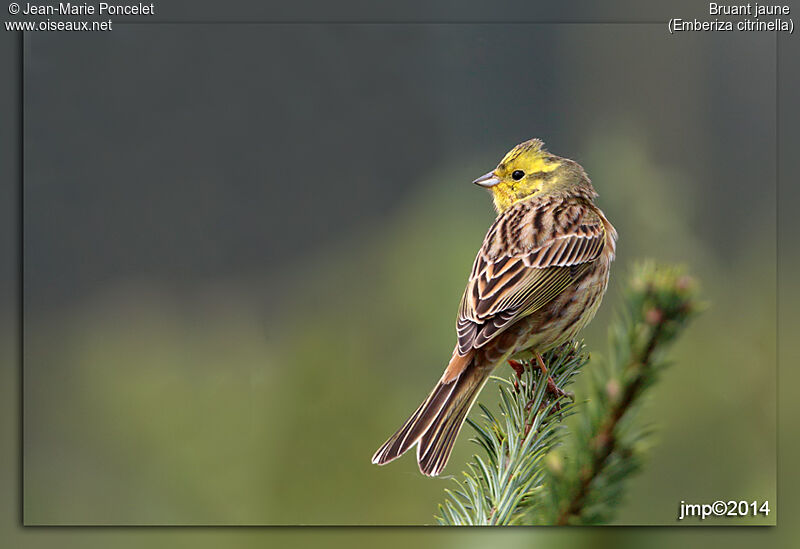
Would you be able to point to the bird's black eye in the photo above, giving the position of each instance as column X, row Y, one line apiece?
column 517, row 175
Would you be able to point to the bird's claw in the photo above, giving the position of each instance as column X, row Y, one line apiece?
column 552, row 389
column 518, row 367
column 557, row 392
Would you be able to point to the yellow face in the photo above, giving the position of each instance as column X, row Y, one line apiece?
column 525, row 171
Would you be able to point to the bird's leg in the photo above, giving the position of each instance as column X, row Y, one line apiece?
column 519, row 369
column 552, row 388
column 517, row 366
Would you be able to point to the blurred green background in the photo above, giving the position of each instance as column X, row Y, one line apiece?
column 230, row 304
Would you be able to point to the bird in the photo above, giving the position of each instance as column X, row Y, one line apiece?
column 537, row 280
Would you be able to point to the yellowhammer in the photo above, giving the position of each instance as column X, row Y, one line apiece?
column 538, row 279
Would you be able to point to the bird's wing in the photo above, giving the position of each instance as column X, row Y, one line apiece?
column 532, row 252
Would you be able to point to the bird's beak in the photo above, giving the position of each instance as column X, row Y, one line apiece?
column 488, row 180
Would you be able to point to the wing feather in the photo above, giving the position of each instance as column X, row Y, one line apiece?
column 528, row 257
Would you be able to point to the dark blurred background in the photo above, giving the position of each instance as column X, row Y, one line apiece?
column 244, row 246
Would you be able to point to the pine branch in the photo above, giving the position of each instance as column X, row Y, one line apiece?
column 526, row 479
column 496, row 490
column 659, row 302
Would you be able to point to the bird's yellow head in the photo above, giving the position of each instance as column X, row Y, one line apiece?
column 529, row 170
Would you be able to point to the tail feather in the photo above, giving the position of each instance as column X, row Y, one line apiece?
column 435, row 425
column 415, row 426
column 435, row 446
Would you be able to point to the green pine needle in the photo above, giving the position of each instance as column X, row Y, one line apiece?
column 533, row 470
column 498, row 486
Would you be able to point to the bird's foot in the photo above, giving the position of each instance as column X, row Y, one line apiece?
column 519, row 369
column 517, row 366
column 553, row 389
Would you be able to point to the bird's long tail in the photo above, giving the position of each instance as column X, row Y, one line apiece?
column 437, row 422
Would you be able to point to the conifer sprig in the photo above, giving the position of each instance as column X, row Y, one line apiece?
column 497, row 487
column 523, row 478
